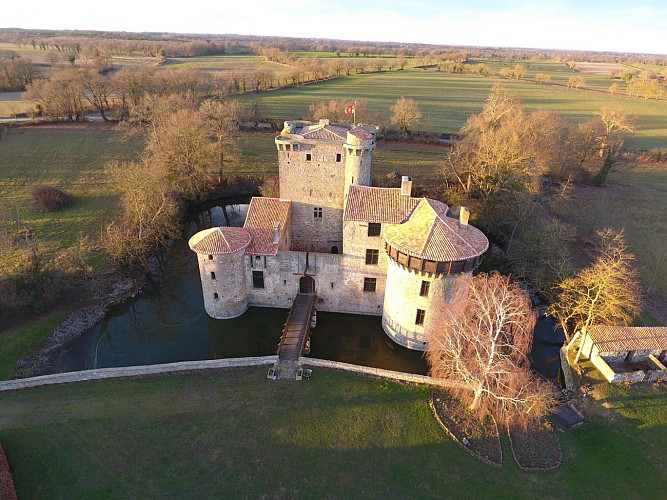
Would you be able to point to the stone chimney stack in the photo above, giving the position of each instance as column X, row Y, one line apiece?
column 464, row 215
column 406, row 186
column 276, row 233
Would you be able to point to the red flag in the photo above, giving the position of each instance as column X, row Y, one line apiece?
column 350, row 109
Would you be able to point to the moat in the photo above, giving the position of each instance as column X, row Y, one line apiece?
column 166, row 323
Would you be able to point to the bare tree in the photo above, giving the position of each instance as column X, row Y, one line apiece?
column 616, row 125
column 485, row 346
column 405, row 114
column 606, row 292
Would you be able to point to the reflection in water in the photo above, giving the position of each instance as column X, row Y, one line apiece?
column 167, row 323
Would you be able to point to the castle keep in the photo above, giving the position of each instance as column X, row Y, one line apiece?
column 361, row 249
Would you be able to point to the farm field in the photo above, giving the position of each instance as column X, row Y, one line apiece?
column 447, row 100
column 224, row 63
column 238, row 435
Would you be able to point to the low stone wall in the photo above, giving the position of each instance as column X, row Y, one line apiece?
column 134, row 371
column 380, row 373
column 214, row 364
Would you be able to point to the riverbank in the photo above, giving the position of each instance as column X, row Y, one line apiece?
column 115, row 288
column 237, row 434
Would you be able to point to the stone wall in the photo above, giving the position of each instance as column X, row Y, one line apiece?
column 339, row 281
column 229, row 274
column 312, row 183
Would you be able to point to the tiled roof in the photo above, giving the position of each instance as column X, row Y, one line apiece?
column 430, row 234
column 374, row 204
column 219, row 240
column 323, row 132
column 610, row 339
column 361, row 133
column 263, row 214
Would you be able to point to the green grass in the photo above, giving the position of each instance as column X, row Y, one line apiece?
column 447, row 100
column 224, row 63
column 237, row 435
column 22, row 340
column 630, row 202
column 71, row 158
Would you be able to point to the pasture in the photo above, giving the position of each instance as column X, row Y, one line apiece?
column 238, row 435
column 224, row 63
column 447, row 100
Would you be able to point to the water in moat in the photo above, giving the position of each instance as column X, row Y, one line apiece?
column 166, row 323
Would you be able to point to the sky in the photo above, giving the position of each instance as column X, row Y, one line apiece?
column 609, row 25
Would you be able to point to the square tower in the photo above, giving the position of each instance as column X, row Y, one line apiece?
column 317, row 164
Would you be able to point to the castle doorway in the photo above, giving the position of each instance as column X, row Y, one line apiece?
column 306, row 284
column 334, row 249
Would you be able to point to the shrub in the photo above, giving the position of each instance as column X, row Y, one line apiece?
column 49, row 199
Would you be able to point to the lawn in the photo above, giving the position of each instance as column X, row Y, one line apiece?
column 237, row 435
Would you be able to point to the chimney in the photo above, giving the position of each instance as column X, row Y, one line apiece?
column 406, row 186
column 464, row 215
column 276, row 233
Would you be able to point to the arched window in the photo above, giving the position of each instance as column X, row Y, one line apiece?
column 212, row 275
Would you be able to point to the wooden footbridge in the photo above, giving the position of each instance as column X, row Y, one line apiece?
column 297, row 327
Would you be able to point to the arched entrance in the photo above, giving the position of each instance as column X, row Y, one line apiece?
column 306, row 284
column 334, row 249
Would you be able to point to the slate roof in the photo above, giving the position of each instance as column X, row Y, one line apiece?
column 374, row 204
column 612, row 339
column 263, row 214
column 429, row 234
column 220, row 240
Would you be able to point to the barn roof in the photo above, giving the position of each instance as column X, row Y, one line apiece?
column 612, row 339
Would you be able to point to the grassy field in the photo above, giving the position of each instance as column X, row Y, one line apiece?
column 237, row 435
column 224, row 63
column 71, row 158
column 19, row 341
column 630, row 202
column 447, row 100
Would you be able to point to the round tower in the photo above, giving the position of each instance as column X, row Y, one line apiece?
column 431, row 259
column 220, row 254
column 359, row 147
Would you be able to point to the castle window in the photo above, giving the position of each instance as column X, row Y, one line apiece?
column 370, row 284
column 317, row 212
column 372, row 256
column 258, row 279
column 309, row 157
column 426, row 285
column 339, row 157
column 212, row 275
column 210, row 257
column 374, row 228
column 216, row 296
column 419, row 320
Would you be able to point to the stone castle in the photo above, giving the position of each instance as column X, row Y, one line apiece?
column 360, row 249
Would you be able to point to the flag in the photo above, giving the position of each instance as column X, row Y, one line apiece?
column 350, row 110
